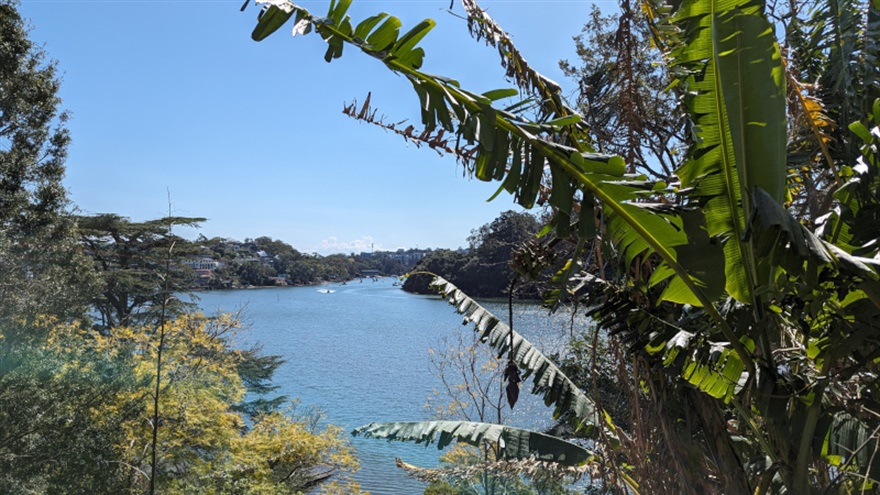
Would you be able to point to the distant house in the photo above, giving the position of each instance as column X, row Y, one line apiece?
column 410, row 257
column 203, row 264
column 369, row 273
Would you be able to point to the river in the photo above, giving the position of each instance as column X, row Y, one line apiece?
column 359, row 352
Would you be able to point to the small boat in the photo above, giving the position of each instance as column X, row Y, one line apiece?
column 326, row 291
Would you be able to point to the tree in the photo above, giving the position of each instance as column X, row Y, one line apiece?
column 255, row 273
column 622, row 93
column 752, row 338
column 484, row 270
column 130, row 259
column 41, row 268
column 52, row 382
column 32, row 132
column 471, row 379
column 78, row 405
column 205, row 445
column 443, row 262
column 495, row 241
column 256, row 371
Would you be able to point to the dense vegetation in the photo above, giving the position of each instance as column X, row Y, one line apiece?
column 149, row 397
column 484, row 269
column 721, row 207
column 109, row 383
column 127, row 255
column 715, row 196
column 265, row 261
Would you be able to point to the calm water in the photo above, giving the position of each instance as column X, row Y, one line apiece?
column 360, row 354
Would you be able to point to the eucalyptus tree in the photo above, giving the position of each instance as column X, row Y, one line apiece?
column 751, row 337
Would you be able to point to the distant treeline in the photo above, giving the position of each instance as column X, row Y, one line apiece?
column 264, row 262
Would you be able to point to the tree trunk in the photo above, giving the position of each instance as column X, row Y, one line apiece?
column 731, row 473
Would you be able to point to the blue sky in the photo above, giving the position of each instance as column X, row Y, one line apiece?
column 174, row 97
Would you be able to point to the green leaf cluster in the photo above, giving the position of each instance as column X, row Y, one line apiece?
column 78, row 407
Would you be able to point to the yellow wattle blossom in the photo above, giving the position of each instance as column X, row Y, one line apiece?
column 204, row 444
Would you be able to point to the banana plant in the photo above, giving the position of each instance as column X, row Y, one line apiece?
column 516, row 444
column 523, row 154
column 717, row 286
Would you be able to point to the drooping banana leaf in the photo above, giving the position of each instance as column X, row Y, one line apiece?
column 513, row 443
column 773, row 227
column 548, row 379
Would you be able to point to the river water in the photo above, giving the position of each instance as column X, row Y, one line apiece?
column 359, row 352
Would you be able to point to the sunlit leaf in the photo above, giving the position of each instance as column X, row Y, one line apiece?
column 385, row 35
column 269, row 22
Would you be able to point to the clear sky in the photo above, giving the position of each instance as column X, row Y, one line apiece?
column 174, row 96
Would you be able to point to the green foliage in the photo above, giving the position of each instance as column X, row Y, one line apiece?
column 494, row 242
column 268, row 262
column 442, row 488
column 130, row 259
column 589, row 362
column 41, row 268
column 256, row 371
column 50, row 442
column 32, row 132
column 729, row 64
column 78, row 406
column 255, row 273
column 445, row 262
